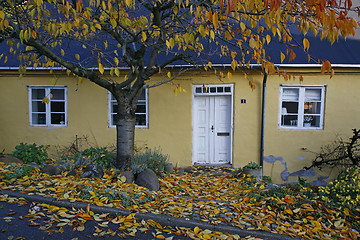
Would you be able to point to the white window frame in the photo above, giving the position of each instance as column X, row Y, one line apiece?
column 146, row 101
column 47, row 106
column 300, row 121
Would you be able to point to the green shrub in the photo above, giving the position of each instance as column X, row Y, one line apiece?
column 345, row 190
column 99, row 156
column 152, row 159
column 252, row 165
column 18, row 171
column 31, row 153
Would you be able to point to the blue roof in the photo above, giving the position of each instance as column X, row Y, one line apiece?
column 342, row 52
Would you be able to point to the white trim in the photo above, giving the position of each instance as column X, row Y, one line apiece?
column 47, row 89
column 110, row 123
column 231, row 93
column 300, row 113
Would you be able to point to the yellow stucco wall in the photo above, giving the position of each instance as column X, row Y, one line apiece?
column 170, row 117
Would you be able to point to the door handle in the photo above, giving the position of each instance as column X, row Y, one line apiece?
column 212, row 128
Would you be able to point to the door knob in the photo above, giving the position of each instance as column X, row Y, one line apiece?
column 212, row 128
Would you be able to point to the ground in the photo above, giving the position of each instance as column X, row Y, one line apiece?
column 218, row 196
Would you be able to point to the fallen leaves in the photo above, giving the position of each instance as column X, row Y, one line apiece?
column 198, row 194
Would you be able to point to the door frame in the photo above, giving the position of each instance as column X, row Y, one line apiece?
column 208, row 90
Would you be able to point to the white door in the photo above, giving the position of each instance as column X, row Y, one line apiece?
column 212, row 129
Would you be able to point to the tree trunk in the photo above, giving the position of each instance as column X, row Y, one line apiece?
column 125, row 132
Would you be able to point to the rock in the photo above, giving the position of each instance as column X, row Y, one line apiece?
column 148, row 179
column 181, row 171
column 71, row 173
column 169, row 168
column 93, row 171
column 50, row 170
column 34, row 165
column 10, row 159
column 129, row 176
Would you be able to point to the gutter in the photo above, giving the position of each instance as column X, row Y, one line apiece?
column 263, row 120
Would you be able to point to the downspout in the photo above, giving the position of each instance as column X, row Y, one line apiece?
column 263, row 120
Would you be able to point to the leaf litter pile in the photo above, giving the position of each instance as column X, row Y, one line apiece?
column 212, row 195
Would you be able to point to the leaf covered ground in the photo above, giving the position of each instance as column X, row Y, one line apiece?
column 212, row 195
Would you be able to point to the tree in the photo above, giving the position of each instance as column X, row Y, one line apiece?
column 146, row 36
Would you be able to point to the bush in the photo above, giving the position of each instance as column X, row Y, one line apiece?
column 152, row 159
column 99, row 156
column 18, row 171
column 31, row 153
column 345, row 190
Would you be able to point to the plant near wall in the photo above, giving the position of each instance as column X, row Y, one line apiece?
column 17, row 171
column 97, row 155
column 252, row 165
column 343, row 154
column 31, row 153
column 153, row 159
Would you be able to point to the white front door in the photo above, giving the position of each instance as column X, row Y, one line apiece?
column 212, row 129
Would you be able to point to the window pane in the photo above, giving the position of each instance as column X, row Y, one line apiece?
column 58, row 118
column 290, row 94
column 289, row 120
column 113, row 119
column 113, row 107
column 212, row 89
column 57, row 106
column 220, row 89
column 38, row 118
column 205, row 90
column 291, row 107
column 227, row 89
column 312, row 107
column 141, row 108
column 58, row 94
column 38, row 106
column 38, row 93
column 142, row 95
column 311, row 121
column 140, row 120
column 198, row 90
column 312, row 94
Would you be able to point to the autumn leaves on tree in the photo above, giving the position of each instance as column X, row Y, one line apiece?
column 147, row 36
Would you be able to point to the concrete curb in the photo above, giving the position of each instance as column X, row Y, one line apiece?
column 164, row 220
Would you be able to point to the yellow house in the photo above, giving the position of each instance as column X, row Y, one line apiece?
column 215, row 122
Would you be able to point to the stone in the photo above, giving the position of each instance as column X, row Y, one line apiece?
column 50, row 170
column 129, row 176
column 181, row 171
column 71, row 173
column 10, row 159
column 169, row 168
column 148, row 179
column 93, row 171
column 34, row 165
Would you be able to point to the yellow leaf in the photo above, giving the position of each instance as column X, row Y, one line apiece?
column 169, row 74
column 306, row 44
column 242, row 26
column 268, row 39
column 215, row 20
column 2, row 15
column 101, row 68
column 144, row 37
column 45, row 100
column 252, row 43
column 160, row 237
column 282, row 56
column 77, row 56
column 210, row 64
column 196, row 230
column 117, row 72
column 229, row 74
